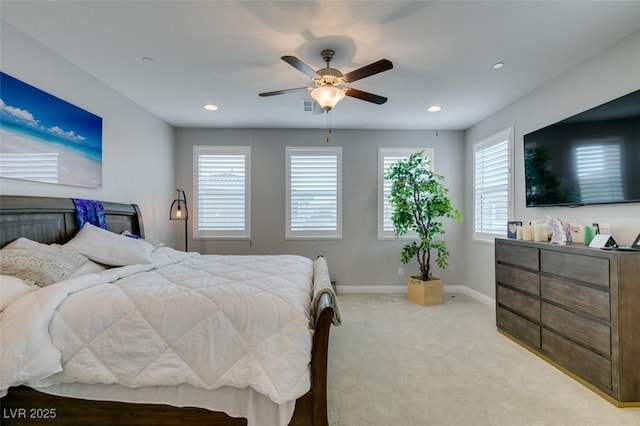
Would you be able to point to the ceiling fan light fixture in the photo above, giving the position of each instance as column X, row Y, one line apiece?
column 327, row 96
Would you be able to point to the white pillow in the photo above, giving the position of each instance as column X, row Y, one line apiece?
column 109, row 248
column 39, row 263
column 89, row 267
column 154, row 243
column 12, row 288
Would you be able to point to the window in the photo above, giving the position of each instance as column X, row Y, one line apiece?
column 223, row 191
column 386, row 157
column 492, row 185
column 599, row 166
column 314, row 193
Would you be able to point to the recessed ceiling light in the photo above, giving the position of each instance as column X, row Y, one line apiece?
column 210, row 107
column 434, row 108
column 498, row 65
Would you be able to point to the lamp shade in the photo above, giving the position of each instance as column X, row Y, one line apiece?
column 179, row 210
column 327, row 96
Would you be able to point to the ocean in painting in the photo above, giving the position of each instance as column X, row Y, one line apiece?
column 46, row 139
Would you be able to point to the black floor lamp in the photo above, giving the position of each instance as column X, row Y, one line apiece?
column 179, row 211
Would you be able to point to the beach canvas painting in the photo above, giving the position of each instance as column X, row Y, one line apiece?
column 46, row 139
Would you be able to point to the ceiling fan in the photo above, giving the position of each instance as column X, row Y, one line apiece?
column 331, row 84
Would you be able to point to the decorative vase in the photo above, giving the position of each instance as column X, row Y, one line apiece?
column 425, row 292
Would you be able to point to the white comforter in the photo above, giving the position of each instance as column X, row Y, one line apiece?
column 207, row 321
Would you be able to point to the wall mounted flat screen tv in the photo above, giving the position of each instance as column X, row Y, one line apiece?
column 590, row 158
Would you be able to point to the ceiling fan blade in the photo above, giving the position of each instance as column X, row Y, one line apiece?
column 368, row 70
column 365, row 96
column 284, row 91
column 300, row 66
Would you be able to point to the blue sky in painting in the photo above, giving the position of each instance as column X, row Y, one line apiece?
column 39, row 113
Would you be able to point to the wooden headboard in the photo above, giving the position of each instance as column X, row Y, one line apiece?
column 53, row 220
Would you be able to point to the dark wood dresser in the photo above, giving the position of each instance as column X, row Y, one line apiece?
column 576, row 307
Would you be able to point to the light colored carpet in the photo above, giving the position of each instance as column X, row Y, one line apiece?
column 393, row 362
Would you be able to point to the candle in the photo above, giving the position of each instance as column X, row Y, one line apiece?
column 527, row 233
column 519, row 233
column 539, row 233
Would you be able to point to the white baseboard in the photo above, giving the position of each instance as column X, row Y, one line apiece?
column 397, row 289
column 371, row 289
column 472, row 293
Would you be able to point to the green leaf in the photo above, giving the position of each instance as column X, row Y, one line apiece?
column 419, row 200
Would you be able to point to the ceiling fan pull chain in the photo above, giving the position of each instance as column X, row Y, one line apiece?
column 328, row 125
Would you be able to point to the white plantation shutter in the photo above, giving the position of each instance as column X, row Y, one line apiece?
column 492, row 185
column 386, row 157
column 223, row 191
column 599, row 168
column 314, row 193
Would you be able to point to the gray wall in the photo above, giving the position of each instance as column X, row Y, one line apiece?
column 606, row 76
column 139, row 151
column 359, row 259
column 137, row 147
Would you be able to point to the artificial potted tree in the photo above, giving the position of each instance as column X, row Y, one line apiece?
column 420, row 202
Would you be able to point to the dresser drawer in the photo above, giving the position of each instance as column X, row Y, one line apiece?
column 527, row 257
column 588, row 300
column 578, row 328
column 577, row 359
column 524, row 305
column 518, row 327
column 592, row 270
column 518, row 278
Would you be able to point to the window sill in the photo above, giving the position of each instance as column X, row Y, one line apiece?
column 486, row 239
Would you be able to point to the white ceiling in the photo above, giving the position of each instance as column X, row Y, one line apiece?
column 226, row 52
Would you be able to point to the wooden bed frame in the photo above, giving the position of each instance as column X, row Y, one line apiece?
column 52, row 220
